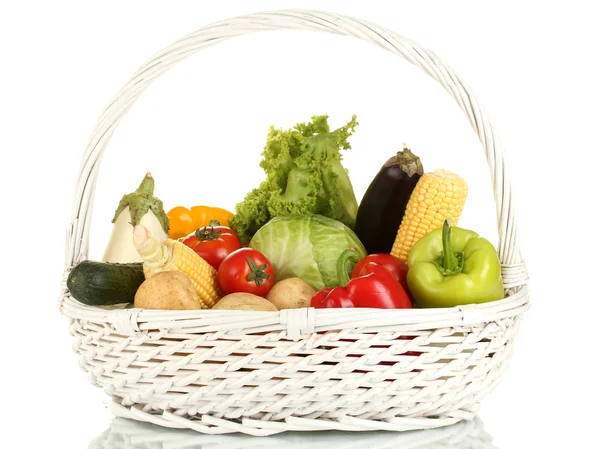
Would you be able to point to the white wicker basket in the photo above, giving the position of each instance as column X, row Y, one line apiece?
column 128, row 434
column 267, row 372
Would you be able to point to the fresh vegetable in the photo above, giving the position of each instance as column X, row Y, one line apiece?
column 307, row 247
column 244, row 301
column 437, row 196
column 384, row 203
column 246, row 271
column 453, row 266
column 104, row 283
column 184, row 221
column 171, row 255
column 376, row 289
column 291, row 293
column 213, row 243
column 397, row 267
column 304, row 176
column 169, row 290
column 139, row 207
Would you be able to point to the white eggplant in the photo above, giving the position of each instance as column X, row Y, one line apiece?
column 139, row 207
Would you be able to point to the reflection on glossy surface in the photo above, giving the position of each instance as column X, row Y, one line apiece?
column 127, row 434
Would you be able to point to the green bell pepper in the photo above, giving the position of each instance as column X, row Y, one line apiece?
column 448, row 269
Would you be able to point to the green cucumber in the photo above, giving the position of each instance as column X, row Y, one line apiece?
column 104, row 283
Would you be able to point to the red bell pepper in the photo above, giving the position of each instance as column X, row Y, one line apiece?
column 377, row 288
column 319, row 297
column 397, row 267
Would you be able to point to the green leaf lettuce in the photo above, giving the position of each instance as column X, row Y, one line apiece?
column 304, row 176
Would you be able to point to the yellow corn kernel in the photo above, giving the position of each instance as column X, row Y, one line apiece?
column 171, row 255
column 437, row 196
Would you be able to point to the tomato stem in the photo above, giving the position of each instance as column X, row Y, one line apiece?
column 205, row 234
column 257, row 272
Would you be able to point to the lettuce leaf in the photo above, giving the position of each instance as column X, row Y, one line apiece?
column 304, row 176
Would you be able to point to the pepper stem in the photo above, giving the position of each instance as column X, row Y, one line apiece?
column 349, row 255
column 450, row 262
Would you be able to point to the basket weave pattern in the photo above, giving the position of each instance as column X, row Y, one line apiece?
column 124, row 433
column 302, row 369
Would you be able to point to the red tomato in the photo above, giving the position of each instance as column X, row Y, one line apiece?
column 397, row 267
column 213, row 243
column 246, row 270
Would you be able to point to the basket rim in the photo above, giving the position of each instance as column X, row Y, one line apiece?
column 297, row 322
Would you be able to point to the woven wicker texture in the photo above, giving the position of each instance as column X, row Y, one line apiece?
column 127, row 434
column 266, row 372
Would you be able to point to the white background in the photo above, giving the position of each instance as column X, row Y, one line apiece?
column 200, row 130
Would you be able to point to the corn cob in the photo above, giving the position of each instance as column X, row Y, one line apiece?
column 171, row 255
column 437, row 196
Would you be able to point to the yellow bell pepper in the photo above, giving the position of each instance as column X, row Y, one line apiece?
column 184, row 221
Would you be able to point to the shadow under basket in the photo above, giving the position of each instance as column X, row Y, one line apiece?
column 261, row 373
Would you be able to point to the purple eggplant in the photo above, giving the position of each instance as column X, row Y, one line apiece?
column 383, row 206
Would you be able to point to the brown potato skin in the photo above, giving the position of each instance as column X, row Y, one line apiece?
column 292, row 293
column 167, row 290
column 244, row 301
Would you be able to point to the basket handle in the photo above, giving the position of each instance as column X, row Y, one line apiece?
column 78, row 232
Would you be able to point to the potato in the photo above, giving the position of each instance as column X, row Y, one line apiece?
column 291, row 293
column 170, row 290
column 244, row 301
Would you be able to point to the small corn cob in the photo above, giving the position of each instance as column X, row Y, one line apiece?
column 171, row 255
column 437, row 196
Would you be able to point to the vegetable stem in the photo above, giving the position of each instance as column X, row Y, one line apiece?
column 450, row 262
column 141, row 202
column 408, row 162
column 146, row 186
column 257, row 273
column 349, row 255
column 208, row 233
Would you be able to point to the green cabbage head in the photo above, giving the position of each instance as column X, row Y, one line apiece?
column 306, row 246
